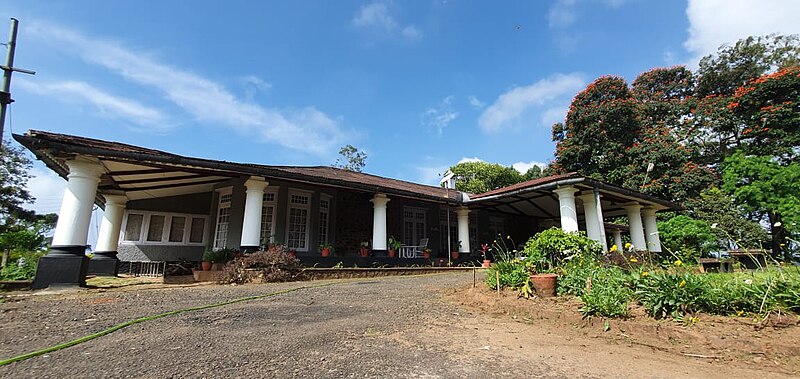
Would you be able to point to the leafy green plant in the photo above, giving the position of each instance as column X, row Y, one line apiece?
column 553, row 247
column 512, row 274
column 608, row 295
column 218, row 256
column 674, row 294
column 393, row 243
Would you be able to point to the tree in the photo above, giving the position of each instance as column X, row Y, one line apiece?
column 730, row 226
column 600, row 126
column 733, row 66
column 533, row 173
column 14, row 175
column 351, row 159
column 687, row 237
column 479, row 177
column 768, row 190
column 643, row 128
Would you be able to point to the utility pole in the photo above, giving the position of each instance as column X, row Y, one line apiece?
column 8, row 68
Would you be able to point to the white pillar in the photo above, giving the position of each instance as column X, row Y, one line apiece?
column 379, row 221
column 253, row 203
column 651, row 229
column 566, row 201
column 590, row 214
column 463, row 229
column 108, row 237
column 72, row 227
column 635, row 224
column 617, row 238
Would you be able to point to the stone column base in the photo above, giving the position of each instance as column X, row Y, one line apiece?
column 62, row 266
column 104, row 263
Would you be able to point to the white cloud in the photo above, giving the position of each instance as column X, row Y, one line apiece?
column 562, row 14
column 467, row 159
column 548, row 93
column 523, row 167
column 475, row 103
column 108, row 105
column 439, row 117
column 376, row 16
column 305, row 129
column 715, row 22
column 431, row 175
column 48, row 189
column 553, row 115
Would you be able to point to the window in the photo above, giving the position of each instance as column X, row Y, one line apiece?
column 297, row 224
column 157, row 228
column 268, row 217
column 324, row 215
column 223, row 218
column 413, row 225
column 133, row 227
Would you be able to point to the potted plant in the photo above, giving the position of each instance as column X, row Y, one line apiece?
column 544, row 282
column 208, row 255
column 454, row 253
column 325, row 249
column 487, row 262
column 363, row 251
column 393, row 245
column 216, row 259
column 426, row 252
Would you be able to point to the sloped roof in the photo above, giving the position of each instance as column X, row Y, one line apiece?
column 39, row 141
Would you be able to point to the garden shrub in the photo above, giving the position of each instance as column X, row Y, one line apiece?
column 552, row 247
column 672, row 294
column 512, row 274
column 21, row 265
column 574, row 274
column 608, row 295
column 273, row 265
column 686, row 237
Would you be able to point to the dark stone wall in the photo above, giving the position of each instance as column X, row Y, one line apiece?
column 353, row 221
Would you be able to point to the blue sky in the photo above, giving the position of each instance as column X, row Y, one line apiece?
column 417, row 85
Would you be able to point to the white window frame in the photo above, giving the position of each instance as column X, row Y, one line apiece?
column 307, row 207
column 274, row 204
column 146, row 215
column 327, row 218
column 222, row 193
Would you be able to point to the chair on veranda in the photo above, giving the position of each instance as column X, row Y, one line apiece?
column 413, row 251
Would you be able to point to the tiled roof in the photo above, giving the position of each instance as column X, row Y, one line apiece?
column 525, row 184
column 322, row 174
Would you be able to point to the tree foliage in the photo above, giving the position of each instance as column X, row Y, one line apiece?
column 351, row 159
column 479, row 177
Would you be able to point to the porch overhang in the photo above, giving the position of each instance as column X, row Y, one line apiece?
column 537, row 200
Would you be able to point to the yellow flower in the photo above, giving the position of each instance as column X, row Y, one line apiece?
column 634, row 260
column 645, row 273
column 683, row 283
column 678, row 263
column 508, row 237
column 628, row 246
column 739, row 313
column 613, row 248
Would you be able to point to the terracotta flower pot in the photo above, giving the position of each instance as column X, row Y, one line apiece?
column 426, row 255
column 453, row 255
column 545, row 284
column 363, row 252
column 206, row 265
column 326, row 252
column 392, row 253
column 487, row 263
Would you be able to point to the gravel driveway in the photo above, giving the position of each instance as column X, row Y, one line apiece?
column 391, row 327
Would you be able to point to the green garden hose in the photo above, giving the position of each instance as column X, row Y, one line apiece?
column 143, row 319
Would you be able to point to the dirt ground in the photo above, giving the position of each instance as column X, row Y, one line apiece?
column 434, row 326
column 771, row 345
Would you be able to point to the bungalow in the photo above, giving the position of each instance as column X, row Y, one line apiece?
column 160, row 206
